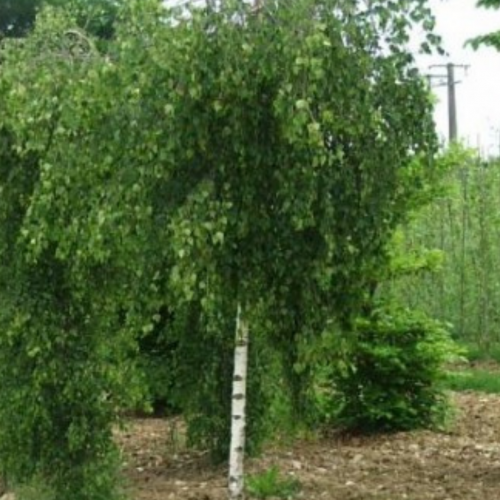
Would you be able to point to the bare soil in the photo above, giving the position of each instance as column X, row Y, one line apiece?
column 462, row 463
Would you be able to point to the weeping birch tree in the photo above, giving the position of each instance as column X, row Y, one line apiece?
column 228, row 166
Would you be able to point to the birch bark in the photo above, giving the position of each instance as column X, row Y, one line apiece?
column 238, row 415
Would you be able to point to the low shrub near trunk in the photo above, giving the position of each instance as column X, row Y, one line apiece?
column 394, row 378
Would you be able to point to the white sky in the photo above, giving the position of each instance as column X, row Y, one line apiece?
column 478, row 94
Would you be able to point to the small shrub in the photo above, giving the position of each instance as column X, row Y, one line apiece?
column 269, row 484
column 394, row 377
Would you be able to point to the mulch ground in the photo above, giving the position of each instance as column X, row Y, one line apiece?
column 463, row 463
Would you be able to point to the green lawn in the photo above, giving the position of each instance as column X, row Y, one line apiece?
column 474, row 380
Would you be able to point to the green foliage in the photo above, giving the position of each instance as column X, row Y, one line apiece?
column 393, row 375
column 96, row 17
column 62, row 385
column 159, row 378
column 17, row 17
column 65, row 351
column 489, row 39
column 269, row 484
column 159, row 364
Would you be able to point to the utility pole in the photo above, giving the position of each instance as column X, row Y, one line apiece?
column 452, row 103
column 451, row 83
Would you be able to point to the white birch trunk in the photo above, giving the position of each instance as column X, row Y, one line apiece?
column 238, row 415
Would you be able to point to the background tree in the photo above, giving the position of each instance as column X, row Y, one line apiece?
column 17, row 17
column 461, row 224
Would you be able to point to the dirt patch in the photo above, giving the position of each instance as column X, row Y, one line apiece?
column 463, row 463
column 484, row 365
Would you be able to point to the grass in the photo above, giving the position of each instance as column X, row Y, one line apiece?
column 269, row 484
column 474, row 380
column 475, row 353
column 35, row 491
column 483, row 373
